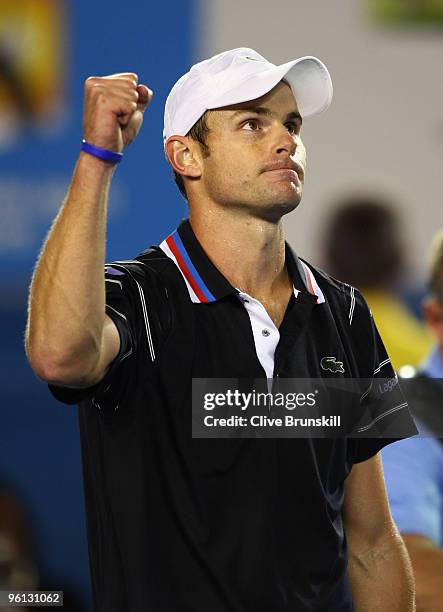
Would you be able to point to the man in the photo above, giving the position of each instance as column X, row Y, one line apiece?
column 363, row 223
column 177, row 523
column 414, row 468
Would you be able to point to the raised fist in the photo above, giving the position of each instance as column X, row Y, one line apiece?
column 113, row 110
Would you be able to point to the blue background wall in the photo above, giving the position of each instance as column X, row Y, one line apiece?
column 39, row 443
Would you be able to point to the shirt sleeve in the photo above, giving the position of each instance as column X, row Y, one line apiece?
column 412, row 470
column 126, row 305
column 383, row 416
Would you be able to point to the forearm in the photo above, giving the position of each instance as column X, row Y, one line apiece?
column 67, row 295
column 381, row 577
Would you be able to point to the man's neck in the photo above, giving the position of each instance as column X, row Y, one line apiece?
column 248, row 251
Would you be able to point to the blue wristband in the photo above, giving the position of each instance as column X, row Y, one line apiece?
column 105, row 154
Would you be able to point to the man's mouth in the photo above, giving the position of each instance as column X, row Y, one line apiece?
column 285, row 173
column 289, row 168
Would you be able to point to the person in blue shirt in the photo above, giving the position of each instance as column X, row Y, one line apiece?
column 413, row 468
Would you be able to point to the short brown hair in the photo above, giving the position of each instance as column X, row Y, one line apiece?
column 362, row 241
column 199, row 133
column 436, row 267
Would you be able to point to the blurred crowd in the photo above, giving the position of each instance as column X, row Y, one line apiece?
column 364, row 245
column 19, row 570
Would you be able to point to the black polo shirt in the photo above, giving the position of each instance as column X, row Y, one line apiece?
column 179, row 524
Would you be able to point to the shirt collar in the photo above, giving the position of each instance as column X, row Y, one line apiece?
column 206, row 283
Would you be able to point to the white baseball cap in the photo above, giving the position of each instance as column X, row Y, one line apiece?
column 240, row 75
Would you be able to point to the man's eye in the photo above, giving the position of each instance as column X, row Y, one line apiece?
column 252, row 122
column 293, row 127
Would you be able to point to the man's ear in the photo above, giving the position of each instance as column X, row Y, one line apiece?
column 433, row 314
column 182, row 156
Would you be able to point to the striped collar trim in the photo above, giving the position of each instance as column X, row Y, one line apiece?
column 173, row 247
column 310, row 283
column 204, row 281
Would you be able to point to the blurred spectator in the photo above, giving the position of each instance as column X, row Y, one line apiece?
column 363, row 247
column 414, row 467
column 18, row 570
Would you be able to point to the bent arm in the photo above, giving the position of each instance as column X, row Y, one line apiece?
column 379, row 566
column 67, row 340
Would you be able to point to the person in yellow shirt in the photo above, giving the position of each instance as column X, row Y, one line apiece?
column 363, row 247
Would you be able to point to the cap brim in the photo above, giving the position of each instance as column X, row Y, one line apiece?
column 307, row 76
column 311, row 84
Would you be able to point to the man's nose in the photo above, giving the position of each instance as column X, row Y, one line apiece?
column 285, row 142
